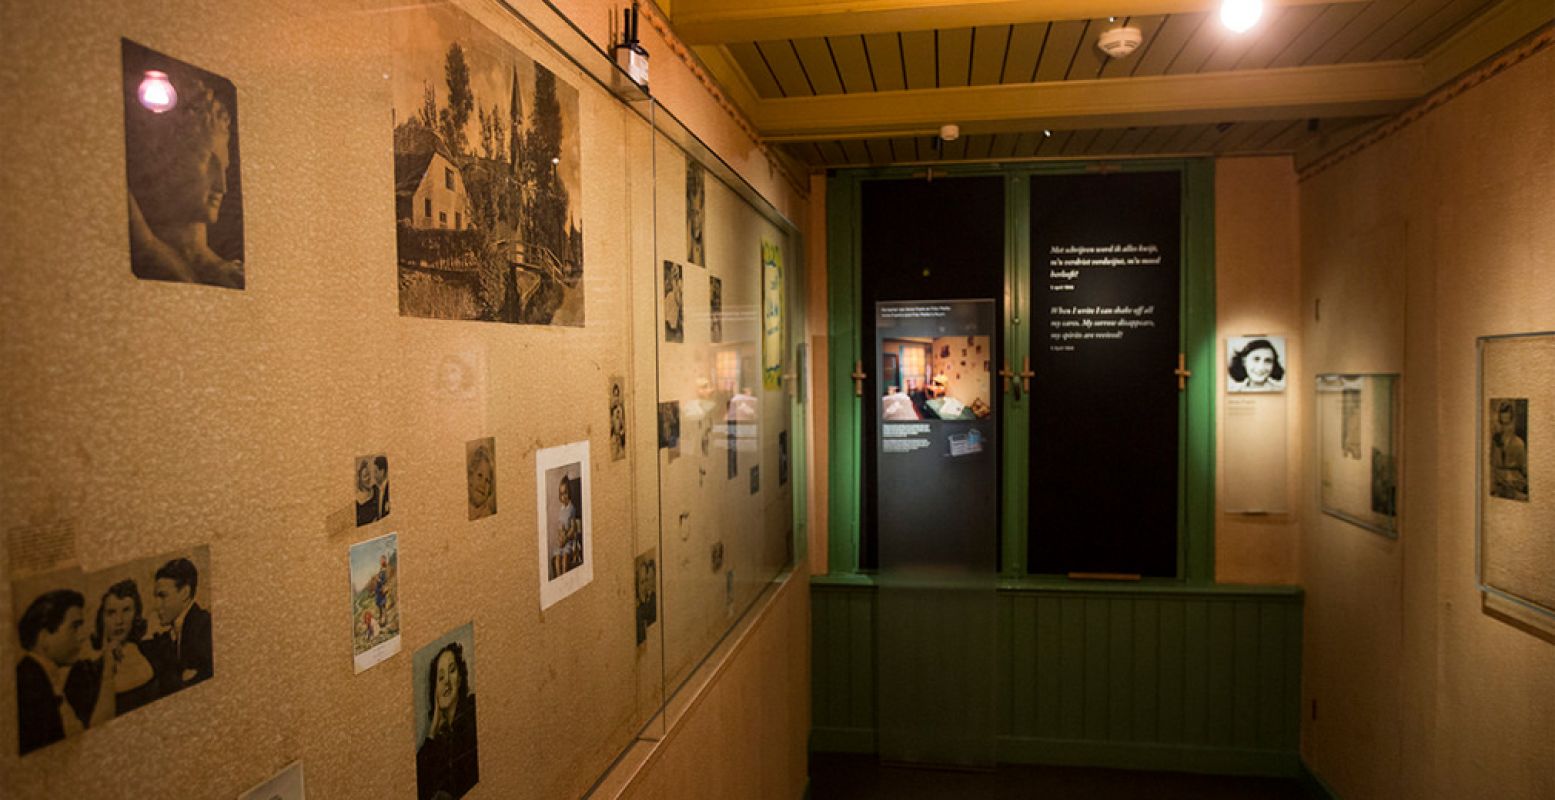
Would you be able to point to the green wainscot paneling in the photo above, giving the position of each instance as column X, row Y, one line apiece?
column 1137, row 676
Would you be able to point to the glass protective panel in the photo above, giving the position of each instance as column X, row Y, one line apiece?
column 937, row 499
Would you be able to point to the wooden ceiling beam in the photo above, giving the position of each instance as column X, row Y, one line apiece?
column 1342, row 90
column 700, row 22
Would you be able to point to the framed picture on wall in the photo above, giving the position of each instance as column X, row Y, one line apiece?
column 1515, row 504
column 1358, row 449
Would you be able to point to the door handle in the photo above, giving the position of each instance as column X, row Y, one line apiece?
column 1025, row 375
column 858, row 377
column 1006, row 374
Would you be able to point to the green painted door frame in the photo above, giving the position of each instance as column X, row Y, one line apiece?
column 1196, row 424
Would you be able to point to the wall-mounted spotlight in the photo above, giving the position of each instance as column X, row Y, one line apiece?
column 156, row 92
column 949, row 133
column 1239, row 15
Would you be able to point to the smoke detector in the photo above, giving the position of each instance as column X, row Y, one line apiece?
column 1120, row 42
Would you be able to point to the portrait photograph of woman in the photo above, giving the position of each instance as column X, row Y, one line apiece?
column 181, row 158
column 447, row 756
column 1255, row 364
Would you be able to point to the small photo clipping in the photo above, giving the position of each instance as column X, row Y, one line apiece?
column 95, row 646
column 669, row 425
column 674, row 305
column 564, row 542
column 181, row 159
column 647, row 571
column 286, row 785
column 696, row 211
column 617, row 418
column 1509, row 448
column 443, row 680
column 480, row 465
column 372, row 488
column 375, row 607
column 715, row 303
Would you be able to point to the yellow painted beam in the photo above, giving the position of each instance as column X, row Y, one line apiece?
column 721, row 21
column 1486, row 35
column 737, row 87
column 1342, row 90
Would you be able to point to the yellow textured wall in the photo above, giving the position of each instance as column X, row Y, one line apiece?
column 158, row 416
column 1437, row 234
column 746, row 735
column 1257, row 291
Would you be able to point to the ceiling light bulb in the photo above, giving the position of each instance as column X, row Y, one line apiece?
column 1239, row 15
column 1047, row 133
column 156, row 92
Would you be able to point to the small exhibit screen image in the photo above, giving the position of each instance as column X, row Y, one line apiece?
column 1255, row 364
column 447, row 757
column 181, row 160
column 1509, row 448
column 946, row 377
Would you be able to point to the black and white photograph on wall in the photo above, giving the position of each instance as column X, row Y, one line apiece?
column 480, row 467
column 669, row 425
column 696, row 211
column 1350, row 424
column 287, row 784
column 674, row 304
column 715, row 303
column 565, row 543
column 755, row 479
column 1384, row 483
column 185, row 183
column 617, row 418
column 443, row 682
column 487, row 175
column 375, row 604
column 372, row 488
column 731, row 443
column 646, row 570
column 716, row 556
column 1509, row 448
column 1255, row 364
column 782, row 458
column 95, row 646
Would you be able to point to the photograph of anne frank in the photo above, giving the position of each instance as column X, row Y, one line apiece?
column 480, row 467
column 447, row 758
column 181, row 160
column 1509, row 448
column 1255, row 364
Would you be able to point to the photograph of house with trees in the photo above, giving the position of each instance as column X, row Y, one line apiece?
column 487, row 176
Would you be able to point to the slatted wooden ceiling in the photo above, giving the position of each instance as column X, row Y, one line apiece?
column 1044, row 52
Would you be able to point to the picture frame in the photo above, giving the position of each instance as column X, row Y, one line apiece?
column 1358, row 438
column 1514, row 555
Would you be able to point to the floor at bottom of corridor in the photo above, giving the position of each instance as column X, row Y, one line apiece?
column 847, row 777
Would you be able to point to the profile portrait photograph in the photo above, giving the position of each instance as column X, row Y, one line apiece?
column 563, row 540
column 696, row 211
column 1509, row 448
column 1255, row 364
column 181, row 160
column 669, row 425
column 674, row 304
column 443, row 677
column 372, row 488
column 480, row 464
column 98, row 645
